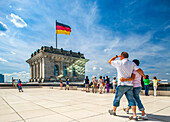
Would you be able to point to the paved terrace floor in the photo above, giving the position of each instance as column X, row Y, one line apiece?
column 54, row 105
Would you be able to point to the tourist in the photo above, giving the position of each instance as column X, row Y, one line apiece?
column 91, row 84
column 146, row 84
column 67, row 84
column 124, row 69
column 14, row 83
column 114, row 82
column 100, row 81
column 61, row 84
column 137, row 87
column 87, row 84
column 19, row 86
column 155, row 84
column 104, row 84
column 107, row 83
column 94, row 89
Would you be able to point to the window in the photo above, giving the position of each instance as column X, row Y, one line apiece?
column 73, row 71
column 65, row 70
column 56, row 70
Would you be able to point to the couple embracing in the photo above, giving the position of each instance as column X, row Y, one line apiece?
column 129, row 83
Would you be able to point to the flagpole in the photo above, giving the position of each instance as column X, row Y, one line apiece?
column 56, row 34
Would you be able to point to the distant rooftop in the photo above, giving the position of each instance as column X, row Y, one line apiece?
column 58, row 51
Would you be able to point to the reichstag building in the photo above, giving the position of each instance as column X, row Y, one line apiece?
column 50, row 64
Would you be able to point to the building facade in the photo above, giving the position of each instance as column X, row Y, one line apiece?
column 49, row 64
column 1, row 78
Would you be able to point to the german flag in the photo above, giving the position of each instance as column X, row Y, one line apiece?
column 62, row 29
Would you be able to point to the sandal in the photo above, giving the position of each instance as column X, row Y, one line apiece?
column 133, row 118
column 125, row 109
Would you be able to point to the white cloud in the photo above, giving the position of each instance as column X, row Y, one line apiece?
column 13, row 53
column 19, row 9
column 3, row 27
column 107, row 50
column 94, row 68
column 2, row 34
column 132, row 2
column 3, row 60
column 167, row 27
column 18, row 21
column 10, row 6
column 24, row 76
column 100, row 68
column 167, row 74
column 112, row 44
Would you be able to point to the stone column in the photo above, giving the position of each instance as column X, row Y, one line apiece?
column 33, row 71
column 40, row 69
column 43, row 69
column 30, row 71
column 37, row 71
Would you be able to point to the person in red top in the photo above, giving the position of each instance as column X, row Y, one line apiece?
column 19, row 86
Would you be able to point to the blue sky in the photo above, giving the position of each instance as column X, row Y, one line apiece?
column 100, row 29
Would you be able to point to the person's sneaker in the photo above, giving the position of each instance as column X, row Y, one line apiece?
column 111, row 112
column 145, row 117
column 125, row 109
column 133, row 118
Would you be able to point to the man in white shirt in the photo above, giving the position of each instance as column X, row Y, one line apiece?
column 124, row 69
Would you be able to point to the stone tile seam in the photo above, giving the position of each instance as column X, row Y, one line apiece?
column 14, row 109
column 45, row 108
column 39, row 116
column 74, row 119
column 91, row 116
column 161, row 109
column 57, row 112
column 97, row 115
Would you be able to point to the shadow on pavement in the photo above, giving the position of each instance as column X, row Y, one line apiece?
column 151, row 117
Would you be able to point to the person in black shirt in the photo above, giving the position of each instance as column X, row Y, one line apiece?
column 87, row 84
